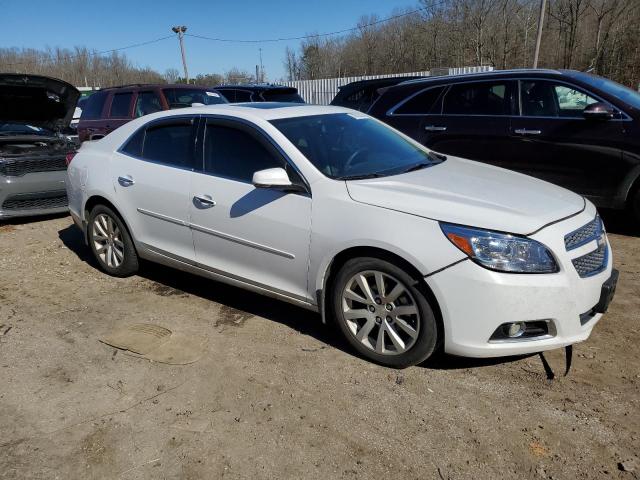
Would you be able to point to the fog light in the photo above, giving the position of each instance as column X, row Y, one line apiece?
column 516, row 329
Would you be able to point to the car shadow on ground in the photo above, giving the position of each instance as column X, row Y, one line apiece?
column 303, row 321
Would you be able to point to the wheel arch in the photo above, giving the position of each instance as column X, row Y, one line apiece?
column 340, row 258
column 91, row 203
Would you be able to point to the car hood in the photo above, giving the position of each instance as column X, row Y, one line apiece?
column 36, row 100
column 471, row 193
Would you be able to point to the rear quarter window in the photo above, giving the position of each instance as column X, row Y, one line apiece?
column 423, row 103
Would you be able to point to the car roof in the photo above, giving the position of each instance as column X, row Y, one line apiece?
column 255, row 87
column 156, row 85
column 492, row 74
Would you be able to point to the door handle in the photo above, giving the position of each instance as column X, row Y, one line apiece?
column 435, row 128
column 126, row 181
column 524, row 131
column 204, row 201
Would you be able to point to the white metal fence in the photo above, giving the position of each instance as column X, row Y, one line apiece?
column 322, row 91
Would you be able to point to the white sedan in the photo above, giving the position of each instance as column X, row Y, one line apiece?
column 327, row 208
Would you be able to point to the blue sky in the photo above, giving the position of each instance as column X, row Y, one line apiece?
column 115, row 23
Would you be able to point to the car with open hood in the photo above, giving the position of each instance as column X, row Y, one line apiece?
column 35, row 111
column 334, row 211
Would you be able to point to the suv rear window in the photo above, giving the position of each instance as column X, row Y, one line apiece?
column 120, row 105
column 422, row 103
column 92, row 108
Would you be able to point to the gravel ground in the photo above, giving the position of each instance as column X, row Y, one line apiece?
column 277, row 394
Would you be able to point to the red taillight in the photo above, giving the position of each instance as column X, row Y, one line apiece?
column 69, row 157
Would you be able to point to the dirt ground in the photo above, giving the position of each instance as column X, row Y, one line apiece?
column 279, row 395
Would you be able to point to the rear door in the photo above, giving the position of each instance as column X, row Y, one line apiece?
column 552, row 140
column 471, row 120
column 152, row 176
column 414, row 112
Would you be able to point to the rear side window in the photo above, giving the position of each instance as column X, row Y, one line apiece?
column 92, row 108
column 421, row 104
column 170, row 143
column 146, row 103
column 478, row 98
column 236, row 154
column 120, row 105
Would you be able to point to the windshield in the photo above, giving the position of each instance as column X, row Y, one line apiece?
column 348, row 146
column 22, row 129
column 613, row 88
column 184, row 97
column 282, row 96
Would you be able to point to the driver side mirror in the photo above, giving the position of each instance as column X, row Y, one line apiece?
column 274, row 178
column 598, row 111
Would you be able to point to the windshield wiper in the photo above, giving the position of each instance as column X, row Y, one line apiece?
column 363, row 176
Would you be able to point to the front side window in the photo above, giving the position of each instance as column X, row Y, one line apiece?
column 146, row 103
column 184, row 97
column 235, row 153
column 422, row 104
column 347, row 146
column 542, row 98
column 478, row 98
column 170, row 143
column 120, row 105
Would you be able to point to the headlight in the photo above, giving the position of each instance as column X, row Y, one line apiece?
column 501, row 252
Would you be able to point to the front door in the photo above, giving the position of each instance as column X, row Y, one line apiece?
column 256, row 235
column 152, row 179
column 552, row 140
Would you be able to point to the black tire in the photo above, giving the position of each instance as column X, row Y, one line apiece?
column 129, row 263
column 427, row 332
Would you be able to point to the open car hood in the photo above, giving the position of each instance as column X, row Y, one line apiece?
column 35, row 100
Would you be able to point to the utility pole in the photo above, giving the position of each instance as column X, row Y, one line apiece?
column 543, row 6
column 180, row 31
column 261, row 67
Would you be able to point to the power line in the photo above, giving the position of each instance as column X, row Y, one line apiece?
column 93, row 54
column 317, row 35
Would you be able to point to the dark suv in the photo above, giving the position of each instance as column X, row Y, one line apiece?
column 261, row 92
column 574, row 129
column 109, row 108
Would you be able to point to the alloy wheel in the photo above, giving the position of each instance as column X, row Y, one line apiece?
column 380, row 312
column 107, row 241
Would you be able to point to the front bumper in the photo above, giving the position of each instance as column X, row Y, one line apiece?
column 475, row 301
column 38, row 193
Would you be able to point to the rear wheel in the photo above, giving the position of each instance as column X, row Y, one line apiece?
column 111, row 243
column 383, row 314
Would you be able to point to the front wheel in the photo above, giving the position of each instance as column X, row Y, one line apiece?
column 383, row 314
column 111, row 243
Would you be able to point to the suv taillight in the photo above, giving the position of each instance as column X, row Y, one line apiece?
column 69, row 157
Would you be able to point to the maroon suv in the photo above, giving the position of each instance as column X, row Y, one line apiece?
column 109, row 108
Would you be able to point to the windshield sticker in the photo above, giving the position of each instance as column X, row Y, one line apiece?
column 357, row 116
column 213, row 94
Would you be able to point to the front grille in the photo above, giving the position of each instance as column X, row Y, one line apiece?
column 35, row 201
column 15, row 167
column 592, row 263
column 585, row 234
